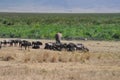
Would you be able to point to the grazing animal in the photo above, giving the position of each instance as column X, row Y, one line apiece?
column 4, row 42
column 49, row 45
column 36, row 45
column 71, row 47
column 60, row 47
column 81, row 47
column 11, row 42
column 76, row 47
column 55, row 46
column 25, row 44
column 0, row 45
column 14, row 42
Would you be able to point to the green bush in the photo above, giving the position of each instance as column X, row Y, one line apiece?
column 72, row 26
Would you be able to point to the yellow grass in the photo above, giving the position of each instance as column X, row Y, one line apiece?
column 101, row 63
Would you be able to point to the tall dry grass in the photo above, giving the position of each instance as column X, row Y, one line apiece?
column 99, row 50
column 45, row 56
column 101, row 63
column 41, row 55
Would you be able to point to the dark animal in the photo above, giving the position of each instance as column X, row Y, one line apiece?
column 4, row 42
column 76, row 47
column 11, row 42
column 65, row 46
column 49, row 46
column 14, row 42
column 25, row 44
column 55, row 46
column 36, row 45
column 60, row 47
column 17, row 42
column 0, row 45
column 71, row 47
column 81, row 47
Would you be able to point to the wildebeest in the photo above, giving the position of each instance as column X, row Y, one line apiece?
column 49, row 45
column 71, row 47
column 4, row 42
column 55, row 46
column 65, row 46
column 77, row 47
column 0, row 45
column 52, row 46
column 14, row 42
column 36, row 44
column 25, row 44
column 81, row 47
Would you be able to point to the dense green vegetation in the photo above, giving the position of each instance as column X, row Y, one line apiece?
column 72, row 26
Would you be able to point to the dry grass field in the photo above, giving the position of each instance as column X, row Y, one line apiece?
column 102, row 62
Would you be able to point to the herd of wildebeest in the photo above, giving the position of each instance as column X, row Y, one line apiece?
column 37, row 45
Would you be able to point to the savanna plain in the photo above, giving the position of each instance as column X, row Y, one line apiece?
column 102, row 62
